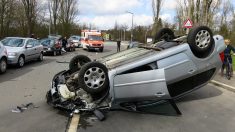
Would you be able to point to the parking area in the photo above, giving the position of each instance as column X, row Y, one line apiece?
column 209, row 109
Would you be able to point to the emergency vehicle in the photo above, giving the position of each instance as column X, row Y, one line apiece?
column 92, row 40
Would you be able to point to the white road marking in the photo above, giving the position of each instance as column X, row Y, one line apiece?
column 74, row 123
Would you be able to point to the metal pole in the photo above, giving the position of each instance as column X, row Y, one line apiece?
column 132, row 28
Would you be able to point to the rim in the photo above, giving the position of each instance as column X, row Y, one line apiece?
column 203, row 39
column 21, row 61
column 41, row 56
column 3, row 66
column 54, row 53
column 94, row 77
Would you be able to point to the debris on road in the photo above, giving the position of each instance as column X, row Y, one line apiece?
column 23, row 107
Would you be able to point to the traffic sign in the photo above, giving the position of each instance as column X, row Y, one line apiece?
column 188, row 23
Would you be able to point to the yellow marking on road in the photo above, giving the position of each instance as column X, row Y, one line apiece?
column 74, row 123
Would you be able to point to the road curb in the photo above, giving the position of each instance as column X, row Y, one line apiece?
column 225, row 86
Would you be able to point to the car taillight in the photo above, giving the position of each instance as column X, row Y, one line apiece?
column 221, row 56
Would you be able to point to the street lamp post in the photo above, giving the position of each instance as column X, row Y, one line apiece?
column 131, row 24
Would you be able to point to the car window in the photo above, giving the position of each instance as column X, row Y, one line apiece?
column 36, row 43
column 94, row 37
column 13, row 42
column 45, row 42
column 30, row 42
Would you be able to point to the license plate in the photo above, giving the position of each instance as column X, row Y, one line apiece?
column 96, row 48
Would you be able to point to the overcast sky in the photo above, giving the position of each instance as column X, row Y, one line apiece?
column 104, row 13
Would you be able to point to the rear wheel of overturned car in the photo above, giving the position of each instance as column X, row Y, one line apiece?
column 164, row 34
column 3, row 65
column 93, row 78
column 77, row 61
column 201, row 42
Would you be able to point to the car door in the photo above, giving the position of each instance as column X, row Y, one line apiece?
column 29, row 51
column 143, row 85
column 38, row 48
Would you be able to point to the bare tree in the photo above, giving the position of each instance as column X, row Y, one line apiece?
column 30, row 8
column 67, row 14
column 156, row 8
column 54, row 8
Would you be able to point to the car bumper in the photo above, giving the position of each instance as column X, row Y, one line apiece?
column 95, row 47
column 12, row 59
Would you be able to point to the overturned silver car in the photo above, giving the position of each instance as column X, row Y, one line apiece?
column 138, row 77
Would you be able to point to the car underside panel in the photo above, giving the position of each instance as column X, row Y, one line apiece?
column 127, row 56
column 141, row 85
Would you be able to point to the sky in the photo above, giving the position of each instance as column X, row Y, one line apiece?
column 104, row 13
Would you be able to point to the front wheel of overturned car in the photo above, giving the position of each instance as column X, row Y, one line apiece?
column 77, row 61
column 93, row 78
column 201, row 42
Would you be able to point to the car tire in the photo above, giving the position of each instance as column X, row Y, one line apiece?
column 201, row 42
column 21, row 61
column 3, row 65
column 54, row 53
column 40, row 58
column 93, row 78
column 164, row 34
column 101, row 49
column 77, row 61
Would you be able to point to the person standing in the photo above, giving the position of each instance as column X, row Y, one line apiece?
column 227, row 55
column 64, row 43
column 118, row 45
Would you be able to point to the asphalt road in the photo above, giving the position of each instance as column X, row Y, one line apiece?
column 209, row 109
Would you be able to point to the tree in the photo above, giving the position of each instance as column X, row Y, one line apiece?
column 68, row 12
column 54, row 7
column 30, row 9
column 156, row 8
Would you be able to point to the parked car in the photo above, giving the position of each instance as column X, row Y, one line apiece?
column 76, row 40
column 21, row 50
column 139, row 77
column 3, row 58
column 51, row 46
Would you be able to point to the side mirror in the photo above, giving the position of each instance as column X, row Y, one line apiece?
column 29, row 46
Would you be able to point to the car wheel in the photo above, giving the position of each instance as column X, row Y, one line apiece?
column 21, row 61
column 40, row 58
column 101, row 49
column 93, row 78
column 54, row 53
column 77, row 61
column 3, row 65
column 200, row 40
column 164, row 34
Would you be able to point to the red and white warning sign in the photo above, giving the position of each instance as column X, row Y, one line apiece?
column 188, row 23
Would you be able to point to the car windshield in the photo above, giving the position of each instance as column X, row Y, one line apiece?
column 47, row 42
column 13, row 42
column 94, row 37
column 75, row 37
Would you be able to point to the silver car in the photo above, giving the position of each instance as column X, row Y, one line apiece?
column 135, row 78
column 76, row 40
column 21, row 50
column 3, row 58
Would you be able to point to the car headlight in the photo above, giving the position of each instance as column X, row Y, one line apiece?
column 49, row 49
column 12, row 53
